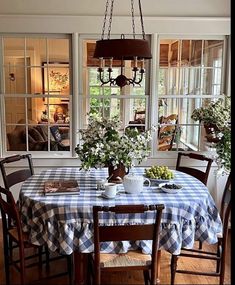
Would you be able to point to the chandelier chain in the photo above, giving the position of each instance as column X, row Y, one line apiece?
column 141, row 20
column 105, row 17
column 110, row 19
column 133, row 17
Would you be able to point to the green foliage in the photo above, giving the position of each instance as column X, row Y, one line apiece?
column 103, row 143
column 223, row 149
column 214, row 113
column 219, row 114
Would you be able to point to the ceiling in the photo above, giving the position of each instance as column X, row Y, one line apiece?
column 186, row 8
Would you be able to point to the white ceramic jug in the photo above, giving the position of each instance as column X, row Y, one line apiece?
column 133, row 184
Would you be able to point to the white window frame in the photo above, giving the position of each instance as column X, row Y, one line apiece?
column 37, row 154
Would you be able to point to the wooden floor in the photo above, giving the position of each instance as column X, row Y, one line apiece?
column 125, row 277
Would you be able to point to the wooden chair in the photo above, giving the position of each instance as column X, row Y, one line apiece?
column 140, row 115
column 17, row 176
column 219, row 256
column 63, row 144
column 199, row 174
column 15, row 234
column 132, row 260
column 167, row 132
column 139, row 119
column 13, row 178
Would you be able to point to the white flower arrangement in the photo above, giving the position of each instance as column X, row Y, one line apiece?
column 103, row 144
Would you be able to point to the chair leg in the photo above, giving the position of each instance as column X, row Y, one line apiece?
column 174, row 259
column 70, row 268
column 200, row 244
column 47, row 258
column 6, row 260
column 40, row 256
column 219, row 254
column 146, row 277
column 222, row 267
column 22, row 265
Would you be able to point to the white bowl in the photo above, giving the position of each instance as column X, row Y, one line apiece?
column 169, row 190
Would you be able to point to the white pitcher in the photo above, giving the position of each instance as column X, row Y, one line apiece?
column 133, row 184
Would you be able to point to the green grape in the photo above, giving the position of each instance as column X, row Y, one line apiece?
column 159, row 172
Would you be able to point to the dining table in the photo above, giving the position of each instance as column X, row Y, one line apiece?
column 65, row 222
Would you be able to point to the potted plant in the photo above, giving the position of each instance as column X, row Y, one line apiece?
column 104, row 144
column 216, row 117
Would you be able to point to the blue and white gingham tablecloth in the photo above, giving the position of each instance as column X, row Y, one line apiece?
column 65, row 222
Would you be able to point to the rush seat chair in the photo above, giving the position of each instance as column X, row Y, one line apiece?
column 132, row 260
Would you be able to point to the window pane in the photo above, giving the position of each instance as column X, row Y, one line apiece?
column 185, row 52
column 56, row 78
column 15, row 110
column 163, row 81
column 36, row 84
column 14, row 47
column 196, row 53
column 58, row 50
column 16, row 138
column 213, row 53
column 211, row 81
column 36, row 49
column 189, row 138
column 15, row 77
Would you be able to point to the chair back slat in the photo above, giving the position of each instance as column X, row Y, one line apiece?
column 17, row 176
column 199, row 174
column 127, row 232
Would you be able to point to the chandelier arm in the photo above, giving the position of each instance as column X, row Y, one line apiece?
column 102, row 79
column 133, row 18
column 134, row 77
column 105, row 17
column 110, row 19
column 141, row 78
column 141, row 20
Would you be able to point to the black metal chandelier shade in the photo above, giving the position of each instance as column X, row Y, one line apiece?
column 122, row 49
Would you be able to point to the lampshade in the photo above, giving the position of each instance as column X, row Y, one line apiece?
column 126, row 49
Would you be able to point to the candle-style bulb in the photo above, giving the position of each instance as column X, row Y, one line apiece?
column 111, row 62
column 100, row 62
column 135, row 61
column 142, row 64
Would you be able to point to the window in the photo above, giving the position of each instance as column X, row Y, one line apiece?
column 108, row 100
column 36, row 92
column 189, row 75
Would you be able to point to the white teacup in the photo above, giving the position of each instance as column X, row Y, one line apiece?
column 110, row 190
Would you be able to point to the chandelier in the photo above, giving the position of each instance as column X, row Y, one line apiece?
column 122, row 49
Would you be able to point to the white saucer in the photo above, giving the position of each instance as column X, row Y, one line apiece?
column 108, row 198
